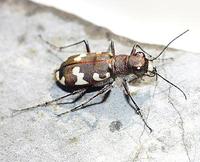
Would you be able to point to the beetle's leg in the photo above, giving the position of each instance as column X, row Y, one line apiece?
column 15, row 112
column 82, row 105
column 136, row 108
column 62, row 47
column 111, row 48
column 83, row 41
column 104, row 98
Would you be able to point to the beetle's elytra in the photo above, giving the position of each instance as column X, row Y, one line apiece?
column 88, row 70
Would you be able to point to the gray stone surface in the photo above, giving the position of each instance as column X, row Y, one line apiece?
column 110, row 131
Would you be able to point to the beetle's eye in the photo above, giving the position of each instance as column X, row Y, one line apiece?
column 140, row 54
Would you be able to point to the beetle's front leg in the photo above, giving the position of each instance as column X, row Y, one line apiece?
column 136, row 107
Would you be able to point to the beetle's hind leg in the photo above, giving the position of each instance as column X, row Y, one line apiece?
column 104, row 90
column 81, row 94
column 70, row 45
column 19, row 111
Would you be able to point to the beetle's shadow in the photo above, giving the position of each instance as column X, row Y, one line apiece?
column 85, row 91
column 70, row 90
column 89, row 90
column 104, row 98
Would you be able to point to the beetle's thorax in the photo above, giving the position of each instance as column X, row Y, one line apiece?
column 121, row 65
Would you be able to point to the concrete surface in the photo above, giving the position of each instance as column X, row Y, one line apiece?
column 110, row 131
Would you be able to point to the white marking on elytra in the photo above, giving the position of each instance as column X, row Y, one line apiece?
column 138, row 67
column 97, row 78
column 62, row 80
column 57, row 75
column 109, row 65
column 80, row 80
column 78, row 58
column 110, row 54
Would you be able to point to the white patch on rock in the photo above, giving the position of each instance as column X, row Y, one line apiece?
column 80, row 80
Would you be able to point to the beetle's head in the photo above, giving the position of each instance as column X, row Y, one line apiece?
column 139, row 64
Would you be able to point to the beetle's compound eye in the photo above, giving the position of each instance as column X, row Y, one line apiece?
column 138, row 64
column 140, row 54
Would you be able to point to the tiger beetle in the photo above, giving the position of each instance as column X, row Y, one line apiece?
column 100, row 69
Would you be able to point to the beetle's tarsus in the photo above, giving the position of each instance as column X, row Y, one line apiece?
column 61, row 114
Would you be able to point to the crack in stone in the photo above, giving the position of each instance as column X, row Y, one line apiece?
column 139, row 151
column 137, row 154
column 181, row 126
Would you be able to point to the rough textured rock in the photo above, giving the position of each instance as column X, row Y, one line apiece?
column 110, row 131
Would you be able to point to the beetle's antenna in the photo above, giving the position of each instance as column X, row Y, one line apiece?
column 169, row 44
column 171, row 84
column 50, row 44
